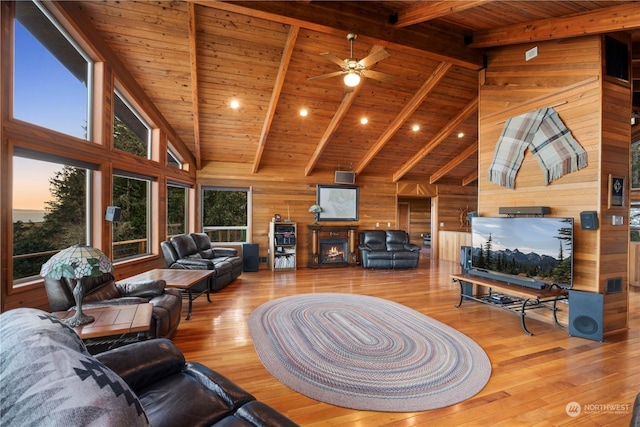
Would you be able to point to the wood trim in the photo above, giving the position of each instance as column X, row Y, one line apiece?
column 615, row 18
column 426, row 11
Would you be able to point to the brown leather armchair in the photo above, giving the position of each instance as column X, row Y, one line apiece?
column 103, row 290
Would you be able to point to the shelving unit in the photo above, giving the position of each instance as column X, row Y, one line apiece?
column 282, row 246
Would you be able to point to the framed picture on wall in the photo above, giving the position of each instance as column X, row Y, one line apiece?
column 338, row 202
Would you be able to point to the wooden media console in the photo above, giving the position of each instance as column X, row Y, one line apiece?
column 514, row 298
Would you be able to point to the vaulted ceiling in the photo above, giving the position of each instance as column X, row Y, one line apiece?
column 193, row 58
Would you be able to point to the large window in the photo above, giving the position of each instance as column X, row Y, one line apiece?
column 130, row 132
column 50, row 212
column 177, row 202
column 131, row 234
column 635, row 165
column 226, row 213
column 52, row 75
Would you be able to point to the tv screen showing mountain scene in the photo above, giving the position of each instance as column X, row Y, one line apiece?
column 539, row 249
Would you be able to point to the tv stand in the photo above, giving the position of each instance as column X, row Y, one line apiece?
column 514, row 298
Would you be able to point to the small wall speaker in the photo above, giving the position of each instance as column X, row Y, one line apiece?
column 586, row 315
column 589, row 220
column 250, row 260
column 345, row 177
column 113, row 213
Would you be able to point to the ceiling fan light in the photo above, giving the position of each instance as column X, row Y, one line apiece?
column 352, row 79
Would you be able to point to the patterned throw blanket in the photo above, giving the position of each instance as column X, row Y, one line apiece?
column 548, row 139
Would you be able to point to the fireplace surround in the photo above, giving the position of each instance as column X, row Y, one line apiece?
column 332, row 245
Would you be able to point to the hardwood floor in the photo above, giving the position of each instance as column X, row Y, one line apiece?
column 533, row 377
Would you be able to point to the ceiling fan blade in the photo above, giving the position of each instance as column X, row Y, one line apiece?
column 331, row 57
column 326, row 76
column 373, row 58
column 377, row 75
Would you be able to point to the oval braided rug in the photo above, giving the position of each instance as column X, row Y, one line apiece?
column 366, row 353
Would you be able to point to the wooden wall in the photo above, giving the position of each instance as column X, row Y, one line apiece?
column 566, row 75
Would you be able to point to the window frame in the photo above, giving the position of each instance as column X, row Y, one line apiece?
column 246, row 228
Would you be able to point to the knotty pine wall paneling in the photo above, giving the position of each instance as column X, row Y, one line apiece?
column 288, row 191
column 568, row 76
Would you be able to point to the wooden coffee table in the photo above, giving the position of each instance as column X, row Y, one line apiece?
column 183, row 280
column 113, row 324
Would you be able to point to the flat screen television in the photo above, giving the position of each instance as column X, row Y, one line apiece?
column 536, row 252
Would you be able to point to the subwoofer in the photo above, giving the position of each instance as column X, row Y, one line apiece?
column 250, row 259
column 586, row 315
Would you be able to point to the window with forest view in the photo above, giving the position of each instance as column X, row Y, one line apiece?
column 226, row 213
column 130, row 133
column 635, row 165
column 131, row 233
column 176, row 209
column 52, row 75
column 49, row 212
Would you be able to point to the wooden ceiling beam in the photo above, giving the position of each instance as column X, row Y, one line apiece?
column 616, row 18
column 275, row 94
column 450, row 127
column 411, row 106
column 473, row 176
column 453, row 163
column 338, row 18
column 193, row 58
column 425, row 11
column 341, row 112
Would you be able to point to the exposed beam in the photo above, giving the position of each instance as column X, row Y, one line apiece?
column 469, row 109
column 453, row 163
column 338, row 18
column 341, row 112
column 616, row 18
column 193, row 59
column 425, row 11
column 437, row 75
column 473, row 176
column 275, row 94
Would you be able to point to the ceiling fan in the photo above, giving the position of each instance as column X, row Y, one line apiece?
column 353, row 68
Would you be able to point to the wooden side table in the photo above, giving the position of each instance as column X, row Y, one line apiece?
column 113, row 324
column 183, row 280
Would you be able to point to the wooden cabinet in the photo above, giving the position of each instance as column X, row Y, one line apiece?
column 282, row 246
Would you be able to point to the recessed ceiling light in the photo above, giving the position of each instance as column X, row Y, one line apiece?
column 364, row 121
column 304, row 112
column 460, row 134
column 234, row 104
column 416, row 128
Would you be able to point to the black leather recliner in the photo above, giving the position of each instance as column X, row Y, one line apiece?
column 387, row 249
column 194, row 252
column 103, row 290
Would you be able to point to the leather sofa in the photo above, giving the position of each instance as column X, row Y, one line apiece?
column 194, row 252
column 49, row 379
column 388, row 249
column 103, row 290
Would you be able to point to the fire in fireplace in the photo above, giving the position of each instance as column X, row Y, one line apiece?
column 333, row 251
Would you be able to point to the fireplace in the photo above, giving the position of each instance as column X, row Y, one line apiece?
column 332, row 245
column 333, row 251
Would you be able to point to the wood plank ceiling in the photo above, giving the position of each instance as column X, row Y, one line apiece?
column 193, row 58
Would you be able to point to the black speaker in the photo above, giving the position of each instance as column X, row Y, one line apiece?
column 465, row 258
column 586, row 315
column 250, row 259
column 113, row 213
column 589, row 220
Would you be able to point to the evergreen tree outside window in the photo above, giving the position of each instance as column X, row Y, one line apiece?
column 177, row 198
column 131, row 233
column 226, row 213
column 45, row 222
column 52, row 74
column 130, row 132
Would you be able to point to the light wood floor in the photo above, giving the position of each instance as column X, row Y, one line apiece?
column 533, row 378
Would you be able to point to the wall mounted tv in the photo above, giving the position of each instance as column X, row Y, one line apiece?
column 535, row 252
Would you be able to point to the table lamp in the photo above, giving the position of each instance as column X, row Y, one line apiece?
column 77, row 262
